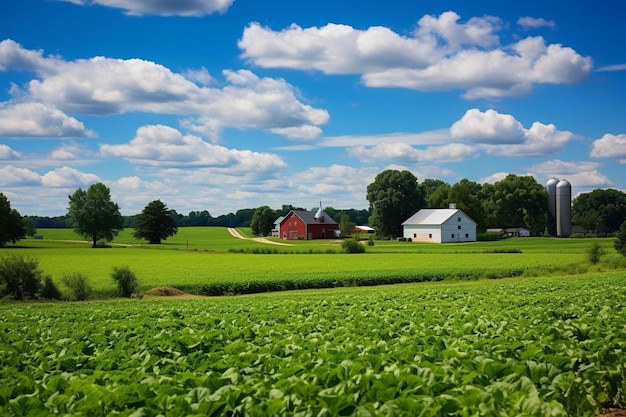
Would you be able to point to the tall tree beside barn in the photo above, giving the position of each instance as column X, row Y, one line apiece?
column 93, row 215
column 263, row 221
column 605, row 208
column 519, row 200
column 394, row 196
column 12, row 225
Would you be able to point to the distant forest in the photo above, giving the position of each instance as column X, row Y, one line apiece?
column 241, row 218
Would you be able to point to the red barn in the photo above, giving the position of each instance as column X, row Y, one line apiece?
column 298, row 224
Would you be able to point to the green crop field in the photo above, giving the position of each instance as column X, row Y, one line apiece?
column 543, row 346
column 209, row 260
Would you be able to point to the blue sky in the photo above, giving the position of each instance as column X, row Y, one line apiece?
column 225, row 104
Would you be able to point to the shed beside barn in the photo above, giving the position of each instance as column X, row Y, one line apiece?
column 440, row 226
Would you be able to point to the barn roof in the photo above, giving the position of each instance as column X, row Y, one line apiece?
column 432, row 216
column 309, row 217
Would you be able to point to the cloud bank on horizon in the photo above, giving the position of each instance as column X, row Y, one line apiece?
column 291, row 114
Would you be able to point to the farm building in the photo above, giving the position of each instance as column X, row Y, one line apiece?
column 363, row 229
column 299, row 224
column 440, row 226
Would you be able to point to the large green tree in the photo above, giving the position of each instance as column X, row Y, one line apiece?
column 12, row 225
column 155, row 223
column 609, row 207
column 518, row 200
column 263, row 221
column 465, row 194
column 93, row 215
column 394, row 196
column 620, row 242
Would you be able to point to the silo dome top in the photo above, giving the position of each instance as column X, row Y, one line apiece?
column 563, row 183
column 552, row 181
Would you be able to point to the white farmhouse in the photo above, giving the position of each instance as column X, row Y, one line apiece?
column 440, row 226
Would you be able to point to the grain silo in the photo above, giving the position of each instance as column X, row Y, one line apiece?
column 551, row 189
column 563, row 209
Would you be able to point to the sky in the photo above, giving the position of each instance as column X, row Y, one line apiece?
column 222, row 105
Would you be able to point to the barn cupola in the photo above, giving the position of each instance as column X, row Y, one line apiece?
column 320, row 215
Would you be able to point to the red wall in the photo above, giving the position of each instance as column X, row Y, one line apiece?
column 293, row 228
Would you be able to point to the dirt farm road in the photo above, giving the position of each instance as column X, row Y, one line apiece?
column 235, row 233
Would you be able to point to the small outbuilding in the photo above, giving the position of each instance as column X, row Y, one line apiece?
column 363, row 229
column 440, row 226
column 299, row 224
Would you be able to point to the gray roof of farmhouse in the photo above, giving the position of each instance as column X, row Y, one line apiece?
column 433, row 217
column 309, row 217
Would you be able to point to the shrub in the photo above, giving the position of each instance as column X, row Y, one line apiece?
column 352, row 246
column 595, row 252
column 49, row 289
column 78, row 285
column 125, row 279
column 370, row 241
column 20, row 277
column 620, row 242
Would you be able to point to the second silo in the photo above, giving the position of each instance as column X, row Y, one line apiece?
column 563, row 209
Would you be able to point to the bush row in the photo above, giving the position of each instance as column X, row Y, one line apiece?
column 219, row 289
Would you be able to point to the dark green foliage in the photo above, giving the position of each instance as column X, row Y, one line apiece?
column 126, row 280
column 595, row 252
column 600, row 210
column 346, row 225
column 517, row 201
column 352, row 246
column 20, row 277
column 394, row 196
column 49, row 289
column 620, row 242
column 78, row 285
column 12, row 226
column 263, row 221
column 93, row 214
column 155, row 223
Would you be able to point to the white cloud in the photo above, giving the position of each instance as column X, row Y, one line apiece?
column 68, row 177
column 404, row 153
column 162, row 7
column 71, row 152
column 488, row 127
column 442, row 54
column 612, row 68
column 493, row 178
column 421, row 138
column 8, row 154
column 528, row 22
column 11, row 176
column 579, row 173
column 502, row 134
column 163, row 146
column 102, row 86
column 610, row 146
column 39, row 120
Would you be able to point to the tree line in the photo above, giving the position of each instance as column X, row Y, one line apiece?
column 515, row 201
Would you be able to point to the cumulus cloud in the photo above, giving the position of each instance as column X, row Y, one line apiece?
column 441, row 54
column 578, row 173
column 610, row 146
column 39, row 120
column 162, row 7
column 8, row 154
column 528, row 22
column 102, row 86
column 502, row 134
column 11, row 176
column 404, row 153
column 68, row 177
column 166, row 147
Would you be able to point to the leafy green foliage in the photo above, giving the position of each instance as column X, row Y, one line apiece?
column 518, row 201
column 600, row 210
column 93, row 214
column 595, row 253
column 352, row 245
column 78, row 285
column 20, row 277
column 532, row 347
column 155, row 223
column 263, row 221
column 12, row 226
column 620, row 242
column 125, row 279
column 394, row 196
column 49, row 290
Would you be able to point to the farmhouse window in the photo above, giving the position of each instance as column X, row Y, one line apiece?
column 459, row 227
column 452, row 235
column 430, row 235
column 414, row 235
column 466, row 235
column 458, row 219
